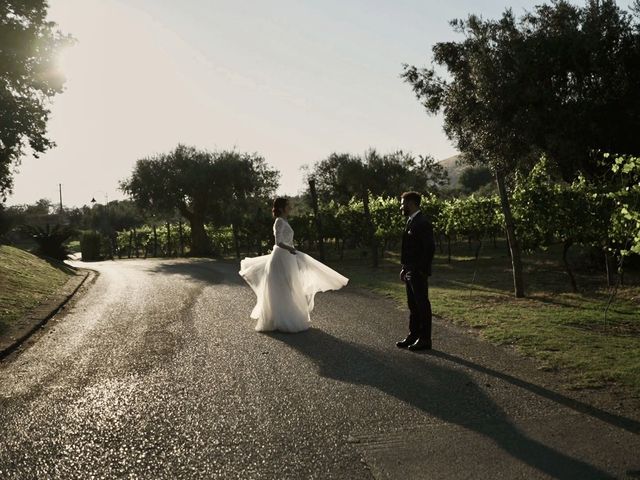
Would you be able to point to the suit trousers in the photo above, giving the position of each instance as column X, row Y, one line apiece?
column 419, row 306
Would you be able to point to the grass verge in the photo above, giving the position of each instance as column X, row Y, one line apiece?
column 563, row 330
column 25, row 281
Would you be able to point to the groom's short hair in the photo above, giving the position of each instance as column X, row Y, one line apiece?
column 414, row 197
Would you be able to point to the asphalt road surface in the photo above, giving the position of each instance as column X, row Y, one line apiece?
column 155, row 372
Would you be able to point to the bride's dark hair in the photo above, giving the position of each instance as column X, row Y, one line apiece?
column 279, row 205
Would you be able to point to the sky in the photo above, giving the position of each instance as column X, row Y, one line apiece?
column 293, row 80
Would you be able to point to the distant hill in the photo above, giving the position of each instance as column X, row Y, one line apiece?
column 453, row 169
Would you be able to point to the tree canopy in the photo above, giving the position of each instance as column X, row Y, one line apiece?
column 201, row 185
column 473, row 178
column 563, row 80
column 341, row 176
column 29, row 78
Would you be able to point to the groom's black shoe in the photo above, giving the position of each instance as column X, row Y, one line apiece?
column 420, row 344
column 406, row 342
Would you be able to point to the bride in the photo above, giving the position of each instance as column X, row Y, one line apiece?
column 286, row 281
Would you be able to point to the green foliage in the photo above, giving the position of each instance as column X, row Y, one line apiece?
column 626, row 216
column 352, row 222
column 551, row 211
column 473, row 178
column 29, row 78
column 582, row 212
column 473, row 217
column 387, row 220
column 563, row 80
column 6, row 222
column 167, row 241
column 90, row 246
column 221, row 237
column 342, row 176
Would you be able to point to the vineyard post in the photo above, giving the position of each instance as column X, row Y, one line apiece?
column 168, row 239
column 567, row 266
column 370, row 229
column 316, row 215
column 514, row 246
column 236, row 240
column 155, row 240
column 610, row 268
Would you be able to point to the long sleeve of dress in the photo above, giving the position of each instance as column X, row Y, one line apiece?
column 282, row 232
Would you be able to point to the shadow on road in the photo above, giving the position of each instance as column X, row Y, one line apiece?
column 619, row 421
column 202, row 270
column 446, row 393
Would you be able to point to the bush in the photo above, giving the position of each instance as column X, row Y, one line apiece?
column 90, row 243
column 50, row 240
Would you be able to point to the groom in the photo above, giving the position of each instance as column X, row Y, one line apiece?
column 418, row 248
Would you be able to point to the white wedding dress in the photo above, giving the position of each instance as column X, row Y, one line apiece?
column 285, row 284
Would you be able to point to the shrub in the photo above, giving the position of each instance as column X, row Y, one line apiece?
column 90, row 243
column 51, row 240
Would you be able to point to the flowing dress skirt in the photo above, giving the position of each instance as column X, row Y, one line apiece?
column 285, row 286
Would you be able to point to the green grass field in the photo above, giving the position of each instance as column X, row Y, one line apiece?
column 26, row 280
column 561, row 329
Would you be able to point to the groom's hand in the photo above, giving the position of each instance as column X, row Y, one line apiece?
column 403, row 275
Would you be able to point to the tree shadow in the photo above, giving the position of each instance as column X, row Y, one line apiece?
column 446, row 393
column 59, row 265
column 201, row 270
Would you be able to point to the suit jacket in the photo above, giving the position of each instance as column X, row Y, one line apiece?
column 418, row 245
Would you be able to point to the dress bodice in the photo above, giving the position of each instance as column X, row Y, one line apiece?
column 283, row 232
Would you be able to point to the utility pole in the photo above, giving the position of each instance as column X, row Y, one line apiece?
column 60, row 190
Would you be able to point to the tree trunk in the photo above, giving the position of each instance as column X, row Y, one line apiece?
column 236, row 242
column 448, row 248
column 478, row 247
column 318, row 220
column 168, row 239
column 135, row 243
column 155, row 241
column 565, row 249
column 181, row 235
column 199, row 239
column 113, row 244
column 200, row 245
column 370, row 230
column 608, row 263
column 514, row 245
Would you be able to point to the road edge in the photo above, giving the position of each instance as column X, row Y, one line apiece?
column 36, row 318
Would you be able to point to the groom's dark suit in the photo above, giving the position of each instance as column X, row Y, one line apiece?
column 418, row 248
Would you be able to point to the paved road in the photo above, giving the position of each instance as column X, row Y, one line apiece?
column 155, row 372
